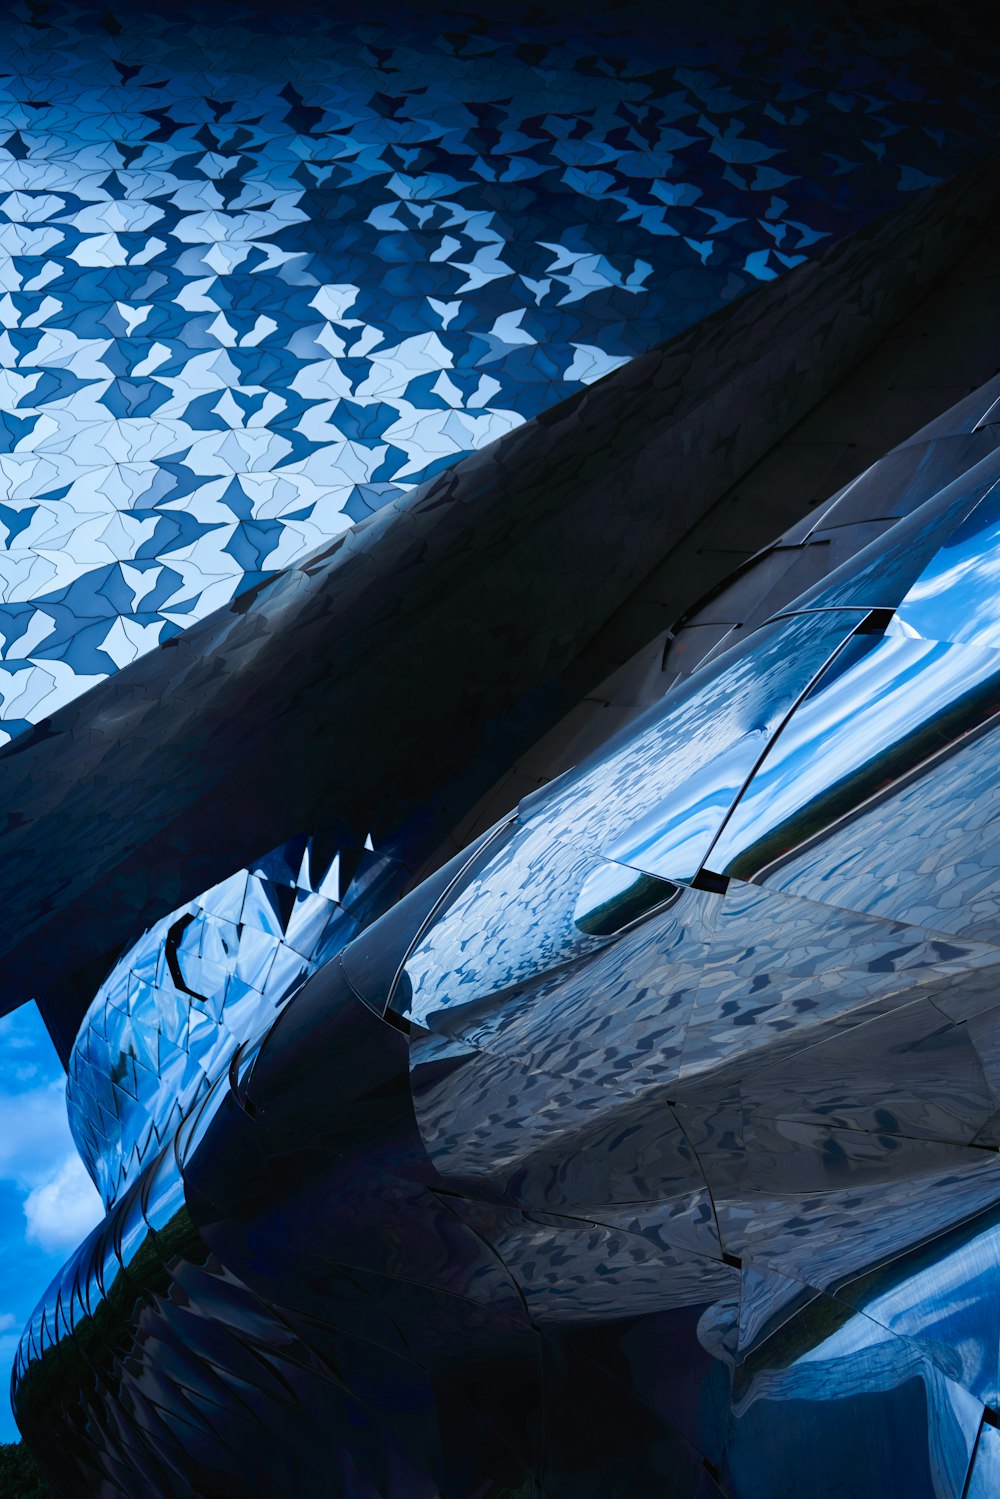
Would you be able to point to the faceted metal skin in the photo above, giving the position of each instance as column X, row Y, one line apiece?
column 138, row 793
column 276, row 266
column 168, row 1019
column 649, row 1147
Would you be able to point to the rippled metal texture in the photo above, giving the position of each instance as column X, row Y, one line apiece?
column 651, row 1146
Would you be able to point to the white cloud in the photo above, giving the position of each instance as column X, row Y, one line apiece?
column 62, row 1211
column 10, row 1335
column 34, row 1134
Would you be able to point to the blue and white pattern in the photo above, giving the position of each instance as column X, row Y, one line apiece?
column 167, row 1021
column 262, row 272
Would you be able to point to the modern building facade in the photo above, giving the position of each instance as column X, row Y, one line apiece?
column 587, row 1081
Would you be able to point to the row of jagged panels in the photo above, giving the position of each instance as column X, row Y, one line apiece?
column 613, row 1180
column 111, row 1087
column 159, row 1032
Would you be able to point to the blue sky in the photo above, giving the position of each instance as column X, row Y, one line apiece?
column 47, row 1202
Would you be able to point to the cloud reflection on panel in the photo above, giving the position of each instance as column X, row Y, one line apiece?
column 650, row 1145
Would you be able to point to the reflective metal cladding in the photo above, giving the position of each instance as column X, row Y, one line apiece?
column 636, row 1140
column 649, row 1146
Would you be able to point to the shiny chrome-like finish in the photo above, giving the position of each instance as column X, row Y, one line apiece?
column 668, row 1112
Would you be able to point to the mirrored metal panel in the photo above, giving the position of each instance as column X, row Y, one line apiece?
column 614, row 896
column 957, row 596
column 655, row 797
column 880, row 575
column 898, row 708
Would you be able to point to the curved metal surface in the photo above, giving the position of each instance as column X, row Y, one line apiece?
column 129, row 799
column 721, row 1176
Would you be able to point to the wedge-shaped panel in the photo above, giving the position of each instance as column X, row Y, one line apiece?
column 864, row 731
column 657, row 796
column 881, row 574
column 677, row 833
column 957, row 596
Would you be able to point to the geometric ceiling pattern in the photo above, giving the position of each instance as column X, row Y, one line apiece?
column 260, row 276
